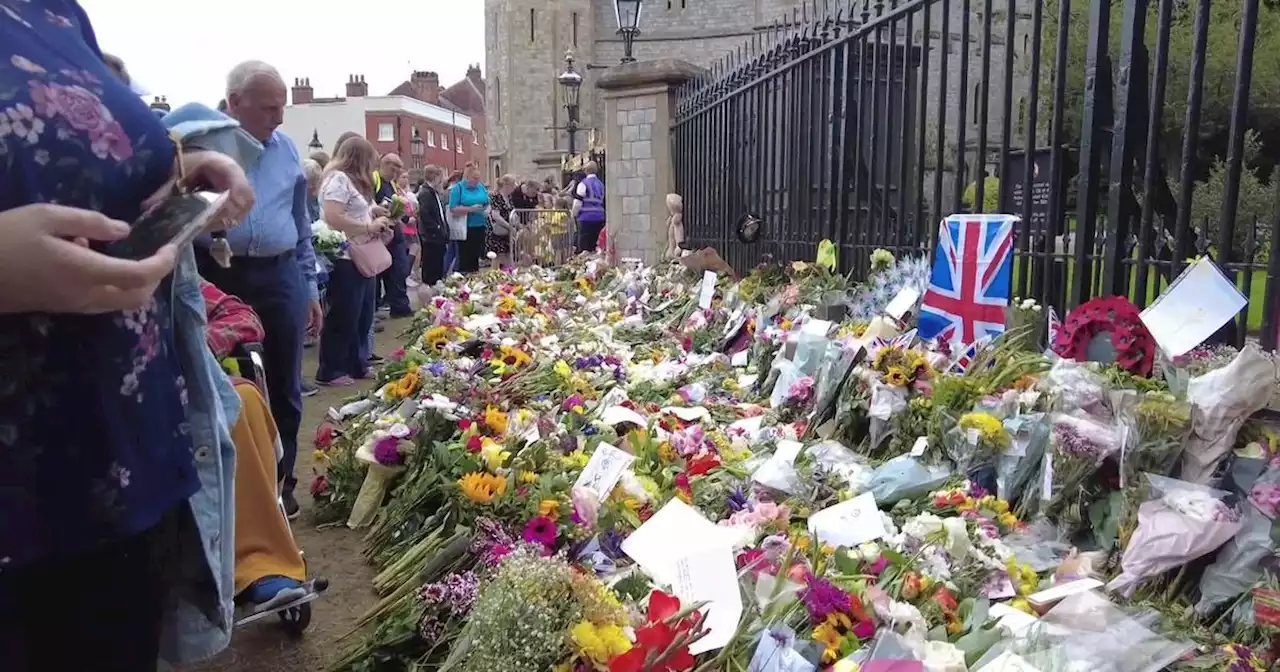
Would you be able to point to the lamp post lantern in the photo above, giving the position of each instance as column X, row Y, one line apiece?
column 571, row 86
column 315, row 145
column 628, row 14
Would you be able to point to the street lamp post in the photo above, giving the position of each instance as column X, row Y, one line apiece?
column 417, row 146
column 628, row 14
column 315, row 145
column 571, row 86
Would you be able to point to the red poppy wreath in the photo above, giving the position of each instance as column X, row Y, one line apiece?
column 1117, row 317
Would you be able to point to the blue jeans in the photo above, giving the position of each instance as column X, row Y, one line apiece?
column 274, row 288
column 391, row 282
column 350, row 317
column 450, row 257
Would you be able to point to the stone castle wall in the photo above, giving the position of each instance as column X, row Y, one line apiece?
column 524, row 98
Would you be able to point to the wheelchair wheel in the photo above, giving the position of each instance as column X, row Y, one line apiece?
column 296, row 620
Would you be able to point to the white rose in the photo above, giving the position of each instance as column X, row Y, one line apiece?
column 869, row 551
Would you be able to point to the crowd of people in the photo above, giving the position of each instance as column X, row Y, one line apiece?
column 145, row 487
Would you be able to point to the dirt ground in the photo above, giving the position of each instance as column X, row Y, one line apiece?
column 332, row 552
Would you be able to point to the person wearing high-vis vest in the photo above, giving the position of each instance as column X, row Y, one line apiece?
column 588, row 209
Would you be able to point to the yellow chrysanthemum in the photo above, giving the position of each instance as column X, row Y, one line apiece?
column 528, row 477
column 666, row 453
column 562, row 369
column 549, row 508
column 320, row 457
column 988, row 426
column 481, row 487
column 599, row 643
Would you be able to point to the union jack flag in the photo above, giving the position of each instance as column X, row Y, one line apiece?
column 969, row 288
column 961, row 364
column 1055, row 326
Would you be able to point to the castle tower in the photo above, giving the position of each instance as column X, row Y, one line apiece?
column 525, row 44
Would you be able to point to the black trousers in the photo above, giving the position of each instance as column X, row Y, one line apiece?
column 100, row 611
column 589, row 236
column 432, row 260
column 472, row 250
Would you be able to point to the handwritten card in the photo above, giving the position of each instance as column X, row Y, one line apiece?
column 709, row 575
column 848, row 523
column 620, row 415
column 604, row 469
column 708, row 290
column 739, row 358
column 904, row 301
column 1195, row 306
column 674, row 532
column 921, row 444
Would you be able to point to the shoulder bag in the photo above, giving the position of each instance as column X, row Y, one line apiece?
column 457, row 223
column 369, row 253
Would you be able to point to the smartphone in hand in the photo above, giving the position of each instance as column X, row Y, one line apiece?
column 177, row 220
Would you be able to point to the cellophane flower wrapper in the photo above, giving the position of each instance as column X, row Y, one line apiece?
column 887, row 401
column 1018, row 465
column 1236, row 569
column 776, row 652
column 834, row 457
column 377, row 481
column 1223, row 400
column 1078, row 445
column 1038, row 545
column 906, row 477
column 1086, row 632
column 1180, row 522
column 1076, row 386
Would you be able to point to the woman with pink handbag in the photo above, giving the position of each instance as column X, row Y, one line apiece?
column 346, row 196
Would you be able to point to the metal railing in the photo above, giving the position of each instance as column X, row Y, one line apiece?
column 545, row 237
column 1105, row 125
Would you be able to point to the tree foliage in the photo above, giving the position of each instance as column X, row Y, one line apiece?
column 1223, row 43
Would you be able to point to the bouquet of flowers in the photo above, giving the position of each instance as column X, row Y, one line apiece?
column 326, row 241
column 1078, row 445
column 1182, row 522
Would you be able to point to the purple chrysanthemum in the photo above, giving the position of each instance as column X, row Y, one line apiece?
column 387, row 452
column 823, row 598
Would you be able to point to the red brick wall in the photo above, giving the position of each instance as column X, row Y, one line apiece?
column 403, row 124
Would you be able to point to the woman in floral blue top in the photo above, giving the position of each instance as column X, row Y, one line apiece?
column 97, row 461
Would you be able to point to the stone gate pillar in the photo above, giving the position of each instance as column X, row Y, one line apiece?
column 639, row 108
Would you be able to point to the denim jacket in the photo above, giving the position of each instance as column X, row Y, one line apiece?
column 200, row 617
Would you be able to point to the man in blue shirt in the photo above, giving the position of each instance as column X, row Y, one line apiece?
column 273, row 267
column 392, row 286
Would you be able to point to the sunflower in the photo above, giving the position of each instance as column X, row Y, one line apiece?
column 496, row 420
column 897, row 377
column 481, row 487
column 513, row 356
column 436, row 338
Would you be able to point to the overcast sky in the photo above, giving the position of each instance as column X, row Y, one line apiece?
column 184, row 51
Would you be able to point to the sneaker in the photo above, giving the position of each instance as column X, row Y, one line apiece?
column 376, row 359
column 340, row 381
column 401, row 316
column 291, row 508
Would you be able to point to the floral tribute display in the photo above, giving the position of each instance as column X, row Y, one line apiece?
column 626, row 469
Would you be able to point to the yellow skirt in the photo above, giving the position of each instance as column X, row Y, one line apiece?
column 264, row 545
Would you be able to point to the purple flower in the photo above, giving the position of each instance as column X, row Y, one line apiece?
column 541, row 530
column 737, row 500
column 436, row 369
column 1070, row 441
column 822, row 598
column 573, row 400
column 387, row 452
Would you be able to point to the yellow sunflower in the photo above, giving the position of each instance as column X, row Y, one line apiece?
column 481, row 487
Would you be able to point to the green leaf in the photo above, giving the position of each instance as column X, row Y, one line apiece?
column 978, row 642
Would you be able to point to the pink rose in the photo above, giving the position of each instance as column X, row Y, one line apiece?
column 84, row 112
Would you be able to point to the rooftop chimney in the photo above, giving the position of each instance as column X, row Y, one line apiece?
column 473, row 74
column 356, row 86
column 160, row 103
column 425, row 86
column 302, row 93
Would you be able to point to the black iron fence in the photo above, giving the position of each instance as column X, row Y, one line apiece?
column 1116, row 130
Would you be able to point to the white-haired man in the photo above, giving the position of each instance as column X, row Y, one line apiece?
column 273, row 267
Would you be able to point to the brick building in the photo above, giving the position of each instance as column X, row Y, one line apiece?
column 449, row 122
